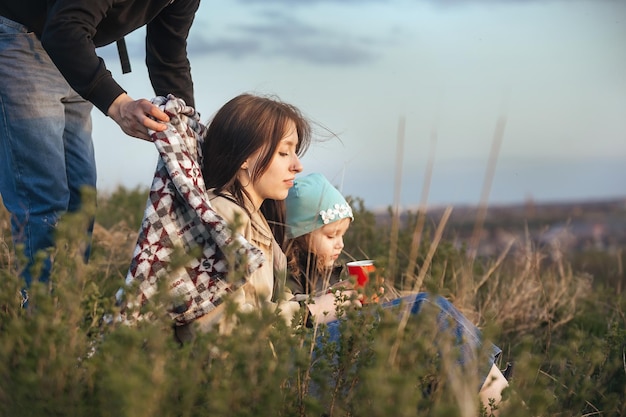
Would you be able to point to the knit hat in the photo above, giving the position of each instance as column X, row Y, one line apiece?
column 312, row 203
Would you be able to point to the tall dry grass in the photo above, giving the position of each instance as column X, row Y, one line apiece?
column 63, row 358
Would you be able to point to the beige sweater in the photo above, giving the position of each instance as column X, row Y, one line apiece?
column 270, row 277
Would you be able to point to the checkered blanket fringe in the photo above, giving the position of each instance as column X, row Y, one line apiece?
column 179, row 216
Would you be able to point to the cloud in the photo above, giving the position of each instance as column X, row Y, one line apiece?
column 306, row 3
column 292, row 3
column 277, row 34
column 232, row 47
column 331, row 35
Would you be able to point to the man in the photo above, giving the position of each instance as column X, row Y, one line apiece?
column 51, row 77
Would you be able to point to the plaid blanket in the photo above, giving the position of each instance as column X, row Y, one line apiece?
column 179, row 216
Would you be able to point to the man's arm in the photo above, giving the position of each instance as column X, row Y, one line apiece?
column 166, row 50
column 68, row 37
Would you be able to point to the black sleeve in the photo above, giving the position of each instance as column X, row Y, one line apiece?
column 67, row 37
column 295, row 284
column 166, row 50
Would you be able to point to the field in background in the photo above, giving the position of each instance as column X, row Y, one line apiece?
column 545, row 285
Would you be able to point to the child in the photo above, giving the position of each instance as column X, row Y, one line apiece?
column 315, row 242
column 317, row 218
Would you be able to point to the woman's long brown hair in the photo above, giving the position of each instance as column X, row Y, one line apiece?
column 241, row 127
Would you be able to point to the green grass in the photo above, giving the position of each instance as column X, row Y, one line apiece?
column 564, row 329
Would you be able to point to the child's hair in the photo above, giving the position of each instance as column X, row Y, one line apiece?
column 241, row 127
column 312, row 203
column 303, row 266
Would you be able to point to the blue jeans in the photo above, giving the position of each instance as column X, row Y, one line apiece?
column 450, row 320
column 46, row 149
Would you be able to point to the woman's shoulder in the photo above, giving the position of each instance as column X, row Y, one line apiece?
column 226, row 206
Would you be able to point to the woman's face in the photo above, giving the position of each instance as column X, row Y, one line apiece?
column 327, row 241
column 278, row 178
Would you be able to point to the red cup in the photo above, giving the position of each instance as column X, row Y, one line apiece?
column 361, row 270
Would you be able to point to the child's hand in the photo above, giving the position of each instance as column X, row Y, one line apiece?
column 372, row 293
column 324, row 307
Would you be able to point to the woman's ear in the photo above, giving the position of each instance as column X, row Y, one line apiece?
column 244, row 165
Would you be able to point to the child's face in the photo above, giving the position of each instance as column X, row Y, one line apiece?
column 327, row 241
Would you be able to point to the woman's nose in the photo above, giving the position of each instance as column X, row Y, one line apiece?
column 297, row 165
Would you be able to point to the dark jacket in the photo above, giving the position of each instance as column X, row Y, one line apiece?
column 71, row 30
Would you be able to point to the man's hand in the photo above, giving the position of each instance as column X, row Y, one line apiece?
column 135, row 117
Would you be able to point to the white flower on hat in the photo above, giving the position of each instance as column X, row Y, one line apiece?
column 338, row 211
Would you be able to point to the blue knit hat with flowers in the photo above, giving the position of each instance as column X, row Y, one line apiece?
column 312, row 203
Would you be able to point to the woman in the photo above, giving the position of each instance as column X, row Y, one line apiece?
column 251, row 155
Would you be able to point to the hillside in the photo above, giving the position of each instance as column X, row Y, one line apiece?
column 572, row 226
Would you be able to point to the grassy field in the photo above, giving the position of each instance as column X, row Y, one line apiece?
column 562, row 327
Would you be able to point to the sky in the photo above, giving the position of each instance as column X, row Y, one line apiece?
column 412, row 99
